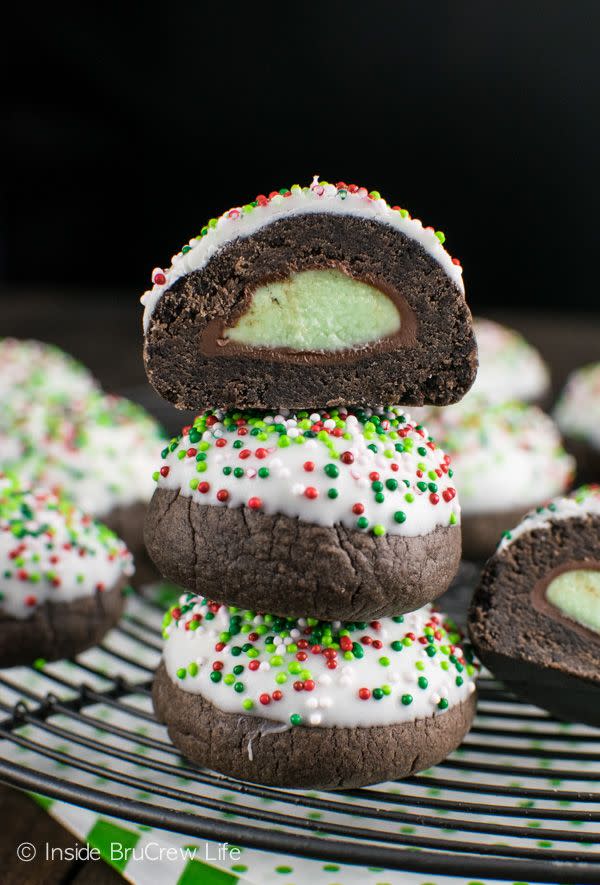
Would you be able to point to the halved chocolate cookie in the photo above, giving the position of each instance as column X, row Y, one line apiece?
column 323, row 295
column 535, row 617
column 308, row 704
column 338, row 514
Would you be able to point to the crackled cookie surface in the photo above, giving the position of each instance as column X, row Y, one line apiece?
column 323, row 294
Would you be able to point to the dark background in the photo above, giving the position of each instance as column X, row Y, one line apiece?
column 128, row 125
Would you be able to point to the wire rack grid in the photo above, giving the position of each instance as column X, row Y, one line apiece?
column 520, row 800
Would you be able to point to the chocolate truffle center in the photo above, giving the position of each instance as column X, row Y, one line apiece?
column 316, row 310
column 576, row 594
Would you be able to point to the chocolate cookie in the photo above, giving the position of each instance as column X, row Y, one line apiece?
column 334, row 514
column 62, row 577
column 535, row 617
column 99, row 450
column 322, row 295
column 302, row 703
column 507, row 459
column 578, row 416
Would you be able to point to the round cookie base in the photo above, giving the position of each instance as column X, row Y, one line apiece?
column 128, row 523
column 281, row 565
column 58, row 630
column 261, row 751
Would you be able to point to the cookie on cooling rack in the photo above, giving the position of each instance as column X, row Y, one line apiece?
column 338, row 514
column 507, row 459
column 535, row 617
column 322, row 294
column 311, row 704
column 578, row 415
column 62, row 577
column 99, row 450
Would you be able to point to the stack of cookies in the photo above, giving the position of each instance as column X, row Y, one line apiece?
column 311, row 524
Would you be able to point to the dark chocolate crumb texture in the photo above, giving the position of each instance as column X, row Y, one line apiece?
column 404, row 684
column 340, row 513
column 535, row 617
column 317, row 295
column 61, row 576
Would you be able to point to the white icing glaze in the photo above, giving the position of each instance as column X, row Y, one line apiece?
column 578, row 409
column 320, row 197
column 299, row 474
column 51, row 552
column 331, row 698
column 505, row 457
column 32, row 369
column 100, row 451
column 581, row 502
column 509, row 367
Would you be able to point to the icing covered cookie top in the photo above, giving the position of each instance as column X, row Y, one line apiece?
column 509, row 367
column 316, row 673
column 505, row 456
column 34, row 370
column 578, row 409
column 373, row 471
column 50, row 551
column 581, row 502
column 100, row 453
column 320, row 197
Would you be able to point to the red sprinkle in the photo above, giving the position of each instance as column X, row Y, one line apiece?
column 311, row 492
column 164, row 470
column 358, row 508
column 347, row 458
column 309, row 466
column 364, row 694
column 222, row 495
column 253, row 665
column 203, row 487
column 261, row 453
column 265, row 699
column 254, row 503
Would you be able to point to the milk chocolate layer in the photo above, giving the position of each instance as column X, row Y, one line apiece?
column 538, row 651
column 431, row 359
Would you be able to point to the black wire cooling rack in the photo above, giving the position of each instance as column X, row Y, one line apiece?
column 518, row 801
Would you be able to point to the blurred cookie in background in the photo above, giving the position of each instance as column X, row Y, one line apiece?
column 510, row 369
column 60, row 431
column 36, row 371
column 506, row 459
column 64, row 576
column 577, row 413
